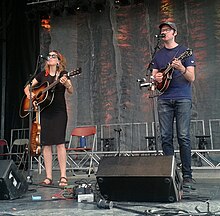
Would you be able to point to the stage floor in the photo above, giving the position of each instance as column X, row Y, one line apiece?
column 205, row 200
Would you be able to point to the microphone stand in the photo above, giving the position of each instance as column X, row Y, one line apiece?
column 29, row 82
column 152, row 88
column 155, row 116
column 149, row 68
column 29, row 174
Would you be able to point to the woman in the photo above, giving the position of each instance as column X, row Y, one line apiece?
column 53, row 118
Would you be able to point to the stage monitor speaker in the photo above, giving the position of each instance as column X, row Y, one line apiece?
column 139, row 179
column 12, row 183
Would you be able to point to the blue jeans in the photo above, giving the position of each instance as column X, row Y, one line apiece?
column 180, row 110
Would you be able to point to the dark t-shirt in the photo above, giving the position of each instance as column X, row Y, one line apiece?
column 179, row 87
column 58, row 102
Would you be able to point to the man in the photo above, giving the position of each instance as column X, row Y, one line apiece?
column 175, row 102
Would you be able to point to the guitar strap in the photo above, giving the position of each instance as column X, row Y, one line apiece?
column 177, row 52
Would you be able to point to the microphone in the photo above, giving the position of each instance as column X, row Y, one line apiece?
column 141, row 80
column 103, row 204
column 43, row 57
column 160, row 36
column 146, row 85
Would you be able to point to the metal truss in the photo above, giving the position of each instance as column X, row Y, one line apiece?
column 202, row 156
column 202, row 159
column 32, row 2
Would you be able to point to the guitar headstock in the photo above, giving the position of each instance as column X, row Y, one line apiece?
column 75, row 72
column 186, row 54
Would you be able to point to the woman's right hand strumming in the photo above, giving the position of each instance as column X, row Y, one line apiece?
column 27, row 92
column 27, row 89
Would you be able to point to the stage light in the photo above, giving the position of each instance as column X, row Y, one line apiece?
column 57, row 8
column 138, row 2
column 122, row 2
column 99, row 5
column 83, row 5
column 35, row 12
column 43, row 11
column 70, row 7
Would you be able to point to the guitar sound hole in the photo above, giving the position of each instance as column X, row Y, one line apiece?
column 38, row 95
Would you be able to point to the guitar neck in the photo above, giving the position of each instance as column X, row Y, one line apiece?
column 167, row 69
column 51, row 86
column 181, row 57
column 72, row 73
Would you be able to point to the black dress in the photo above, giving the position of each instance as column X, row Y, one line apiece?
column 53, row 119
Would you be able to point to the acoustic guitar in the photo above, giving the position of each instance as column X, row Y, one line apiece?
column 168, row 72
column 43, row 96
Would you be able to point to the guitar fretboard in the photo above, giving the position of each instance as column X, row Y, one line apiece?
column 72, row 73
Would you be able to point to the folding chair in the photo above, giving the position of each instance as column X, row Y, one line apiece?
column 19, row 150
column 87, row 152
column 4, row 149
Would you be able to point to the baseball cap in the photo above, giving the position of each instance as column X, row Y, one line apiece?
column 171, row 24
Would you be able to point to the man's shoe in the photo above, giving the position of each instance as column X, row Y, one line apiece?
column 189, row 183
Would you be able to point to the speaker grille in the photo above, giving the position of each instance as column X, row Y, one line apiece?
column 12, row 183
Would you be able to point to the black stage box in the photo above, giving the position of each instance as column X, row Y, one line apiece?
column 12, row 183
column 139, row 179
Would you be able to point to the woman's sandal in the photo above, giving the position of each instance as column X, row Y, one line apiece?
column 47, row 182
column 63, row 182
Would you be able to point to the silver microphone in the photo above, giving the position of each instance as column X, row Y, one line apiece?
column 141, row 80
column 160, row 36
column 43, row 57
column 146, row 85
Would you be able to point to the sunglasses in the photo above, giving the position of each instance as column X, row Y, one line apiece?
column 52, row 56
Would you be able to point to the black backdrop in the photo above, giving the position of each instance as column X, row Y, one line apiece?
column 22, row 47
column 114, row 48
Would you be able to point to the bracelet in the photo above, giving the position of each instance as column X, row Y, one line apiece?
column 184, row 71
column 69, row 87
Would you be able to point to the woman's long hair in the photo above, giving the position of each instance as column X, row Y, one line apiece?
column 60, row 67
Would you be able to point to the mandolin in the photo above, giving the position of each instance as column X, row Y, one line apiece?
column 168, row 72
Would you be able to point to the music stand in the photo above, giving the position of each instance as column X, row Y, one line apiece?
column 202, row 145
column 202, row 141
column 151, row 142
column 108, row 144
column 119, row 140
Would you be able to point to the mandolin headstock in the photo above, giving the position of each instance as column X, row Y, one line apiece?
column 186, row 54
